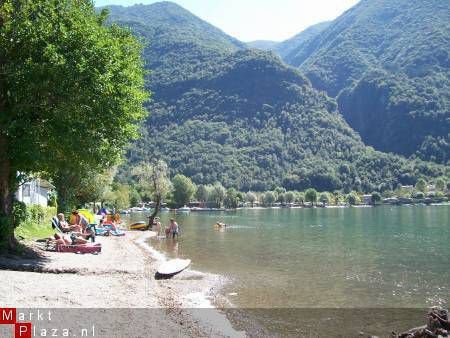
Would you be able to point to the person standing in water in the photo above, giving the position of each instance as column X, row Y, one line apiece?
column 173, row 228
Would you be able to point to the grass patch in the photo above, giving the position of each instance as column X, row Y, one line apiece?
column 30, row 230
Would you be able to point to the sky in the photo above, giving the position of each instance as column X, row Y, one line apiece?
column 250, row 20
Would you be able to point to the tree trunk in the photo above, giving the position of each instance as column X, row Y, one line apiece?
column 155, row 211
column 62, row 198
column 7, row 238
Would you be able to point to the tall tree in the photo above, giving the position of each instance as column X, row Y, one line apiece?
column 71, row 90
column 421, row 185
column 202, row 193
column 441, row 185
column 250, row 197
column 217, row 194
column 269, row 198
column 153, row 179
column 311, row 196
column 183, row 189
column 231, row 199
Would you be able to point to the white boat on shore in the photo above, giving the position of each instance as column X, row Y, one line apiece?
column 184, row 209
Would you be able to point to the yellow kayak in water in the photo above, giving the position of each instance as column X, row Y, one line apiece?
column 139, row 226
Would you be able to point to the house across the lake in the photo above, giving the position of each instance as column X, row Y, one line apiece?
column 35, row 191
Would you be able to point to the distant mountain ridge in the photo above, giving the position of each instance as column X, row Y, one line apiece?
column 288, row 49
column 168, row 15
column 242, row 117
column 387, row 63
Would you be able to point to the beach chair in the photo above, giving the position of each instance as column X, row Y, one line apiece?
column 114, row 232
column 75, row 248
column 79, row 248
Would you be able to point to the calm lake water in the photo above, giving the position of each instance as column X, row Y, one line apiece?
column 386, row 256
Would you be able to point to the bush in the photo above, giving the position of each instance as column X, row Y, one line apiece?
column 418, row 195
column 36, row 213
column 53, row 201
column 353, row 198
column 19, row 213
column 33, row 221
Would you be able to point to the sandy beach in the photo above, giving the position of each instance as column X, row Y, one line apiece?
column 121, row 277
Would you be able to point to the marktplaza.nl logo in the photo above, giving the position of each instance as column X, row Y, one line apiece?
column 37, row 323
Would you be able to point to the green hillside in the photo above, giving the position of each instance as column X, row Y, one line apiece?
column 387, row 63
column 245, row 119
column 288, row 49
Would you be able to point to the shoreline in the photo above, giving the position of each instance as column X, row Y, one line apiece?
column 121, row 277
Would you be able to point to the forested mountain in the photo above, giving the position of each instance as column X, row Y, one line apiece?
column 243, row 118
column 288, row 49
column 387, row 63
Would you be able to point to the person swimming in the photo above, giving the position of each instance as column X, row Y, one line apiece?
column 220, row 225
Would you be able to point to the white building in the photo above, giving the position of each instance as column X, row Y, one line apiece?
column 34, row 192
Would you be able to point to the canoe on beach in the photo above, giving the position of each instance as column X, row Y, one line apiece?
column 172, row 267
column 139, row 226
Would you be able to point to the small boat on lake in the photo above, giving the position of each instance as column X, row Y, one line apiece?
column 184, row 209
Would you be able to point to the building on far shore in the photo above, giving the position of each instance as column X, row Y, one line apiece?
column 367, row 199
column 36, row 191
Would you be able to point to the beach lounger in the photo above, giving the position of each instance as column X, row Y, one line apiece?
column 116, row 232
column 79, row 248
column 57, row 227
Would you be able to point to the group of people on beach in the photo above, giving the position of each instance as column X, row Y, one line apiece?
column 172, row 230
column 79, row 228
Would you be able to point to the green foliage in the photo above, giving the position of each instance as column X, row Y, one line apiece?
column 281, row 197
column 337, row 197
column 202, row 193
column 391, row 79
column 134, row 196
column 231, row 199
column 19, row 213
column 353, row 198
column 440, row 184
column 152, row 178
column 119, row 197
column 288, row 49
column 71, row 89
column 269, row 198
column 60, row 99
column 300, row 197
column 52, row 200
column 324, row 198
column 183, row 190
column 217, row 194
column 311, row 195
column 289, row 197
column 421, row 185
column 418, row 195
column 246, row 120
column 376, row 197
column 36, row 223
column 251, row 198
column 36, row 213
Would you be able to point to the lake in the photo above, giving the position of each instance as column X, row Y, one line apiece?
column 382, row 257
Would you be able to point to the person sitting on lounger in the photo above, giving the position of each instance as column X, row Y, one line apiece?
column 66, row 227
column 86, row 230
column 63, row 240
